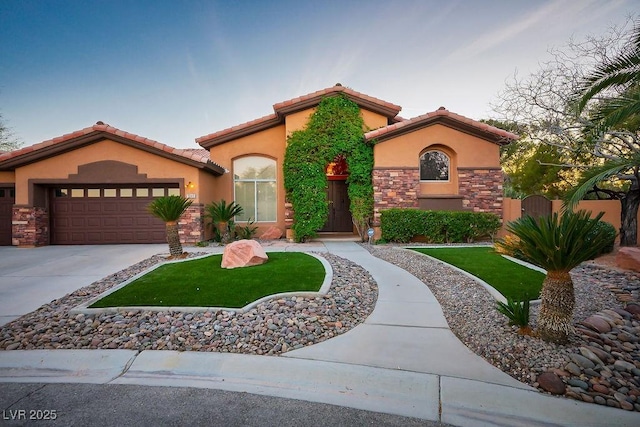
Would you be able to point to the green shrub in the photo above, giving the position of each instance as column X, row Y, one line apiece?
column 401, row 225
column 516, row 311
column 610, row 235
column 247, row 231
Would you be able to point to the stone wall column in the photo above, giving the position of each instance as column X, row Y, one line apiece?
column 29, row 226
column 191, row 225
column 481, row 189
column 394, row 188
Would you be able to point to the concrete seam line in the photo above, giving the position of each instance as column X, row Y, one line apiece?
column 440, row 398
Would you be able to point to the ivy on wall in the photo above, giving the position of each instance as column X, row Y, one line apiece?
column 335, row 128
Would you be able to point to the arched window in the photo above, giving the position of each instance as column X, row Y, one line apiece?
column 434, row 166
column 254, row 181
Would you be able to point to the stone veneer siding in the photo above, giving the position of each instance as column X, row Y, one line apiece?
column 394, row 188
column 30, row 226
column 191, row 224
column 481, row 189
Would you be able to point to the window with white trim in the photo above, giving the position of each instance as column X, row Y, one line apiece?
column 434, row 166
column 254, row 180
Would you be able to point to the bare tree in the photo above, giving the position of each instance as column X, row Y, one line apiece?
column 8, row 140
column 546, row 102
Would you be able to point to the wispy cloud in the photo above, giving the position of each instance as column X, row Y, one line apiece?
column 534, row 22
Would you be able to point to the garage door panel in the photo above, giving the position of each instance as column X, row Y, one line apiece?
column 109, row 221
column 78, row 222
column 77, row 207
column 94, row 236
column 94, row 208
column 104, row 220
column 126, row 207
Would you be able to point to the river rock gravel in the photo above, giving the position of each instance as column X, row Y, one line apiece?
column 272, row 327
column 600, row 364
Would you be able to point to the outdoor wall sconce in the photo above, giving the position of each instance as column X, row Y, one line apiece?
column 190, row 186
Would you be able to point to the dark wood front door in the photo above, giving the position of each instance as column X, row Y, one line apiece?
column 7, row 198
column 339, row 219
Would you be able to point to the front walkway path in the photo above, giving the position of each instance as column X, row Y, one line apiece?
column 403, row 360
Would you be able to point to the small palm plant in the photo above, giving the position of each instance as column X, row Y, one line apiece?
column 558, row 244
column 222, row 215
column 517, row 312
column 169, row 209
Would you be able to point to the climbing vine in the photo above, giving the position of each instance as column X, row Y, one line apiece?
column 335, row 128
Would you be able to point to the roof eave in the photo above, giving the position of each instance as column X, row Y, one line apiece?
column 387, row 111
column 212, row 140
column 447, row 121
column 96, row 136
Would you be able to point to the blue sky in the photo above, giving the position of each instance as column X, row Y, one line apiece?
column 176, row 70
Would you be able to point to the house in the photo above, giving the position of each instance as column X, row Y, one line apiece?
column 92, row 186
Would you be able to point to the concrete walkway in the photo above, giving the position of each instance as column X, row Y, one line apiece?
column 403, row 360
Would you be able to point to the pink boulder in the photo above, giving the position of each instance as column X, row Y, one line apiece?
column 628, row 258
column 272, row 233
column 243, row 253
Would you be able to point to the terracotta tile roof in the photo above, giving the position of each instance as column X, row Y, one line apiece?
column 441, row 114
column 338, row 88
column 293, row 105
column 257, row 124
column 100, row 129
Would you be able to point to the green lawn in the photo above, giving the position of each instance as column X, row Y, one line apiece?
column 203, row 283
column 510, row 279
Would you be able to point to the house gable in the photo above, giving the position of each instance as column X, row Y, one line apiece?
column 100, row 132
column 297, row 105
column 446, row 118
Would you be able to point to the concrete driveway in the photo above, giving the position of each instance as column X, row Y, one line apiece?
column 32, row 277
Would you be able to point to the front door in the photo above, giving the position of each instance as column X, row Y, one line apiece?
column 339, row 219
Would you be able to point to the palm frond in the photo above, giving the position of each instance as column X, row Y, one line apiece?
column 591, row 178
column 621, row 72
column 169, row 208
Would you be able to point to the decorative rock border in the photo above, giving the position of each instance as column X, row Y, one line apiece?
column 272, row 327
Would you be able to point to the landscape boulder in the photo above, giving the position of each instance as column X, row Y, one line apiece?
column 272, row 233
column 628, row 258
column 243, row 253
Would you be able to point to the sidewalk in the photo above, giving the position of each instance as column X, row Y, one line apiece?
column 403, row 360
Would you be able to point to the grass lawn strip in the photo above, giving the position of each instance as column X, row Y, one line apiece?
column 509, row 278
column 203, row 283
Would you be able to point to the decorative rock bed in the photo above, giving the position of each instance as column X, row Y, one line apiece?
column 602, row 362
column 273, row 327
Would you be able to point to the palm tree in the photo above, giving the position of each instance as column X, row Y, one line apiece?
column 170, row 209
column 222, row 215
column 624, row 168
column 557, row 244
column 614, row 124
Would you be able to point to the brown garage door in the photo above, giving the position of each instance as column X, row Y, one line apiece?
column 93, row 215
column 7, row 199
